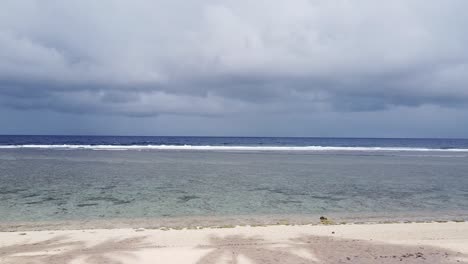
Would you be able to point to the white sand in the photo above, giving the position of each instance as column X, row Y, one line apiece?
column 371, row 243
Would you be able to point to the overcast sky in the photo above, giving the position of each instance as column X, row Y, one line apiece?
column 235, row 67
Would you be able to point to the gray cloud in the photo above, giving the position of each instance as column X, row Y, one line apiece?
column 214, row 58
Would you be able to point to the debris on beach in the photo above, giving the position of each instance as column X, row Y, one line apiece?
column 325, row 221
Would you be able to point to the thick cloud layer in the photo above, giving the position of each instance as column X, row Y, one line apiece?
column 211, row 57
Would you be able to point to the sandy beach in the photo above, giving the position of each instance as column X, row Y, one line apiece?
column 351, row 243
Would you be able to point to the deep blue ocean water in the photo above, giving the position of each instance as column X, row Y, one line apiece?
column 235, row 141
column 48, row 178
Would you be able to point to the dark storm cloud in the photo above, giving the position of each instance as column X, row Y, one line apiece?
column 144, row 58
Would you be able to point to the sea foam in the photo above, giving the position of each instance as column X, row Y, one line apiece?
column 233, row 148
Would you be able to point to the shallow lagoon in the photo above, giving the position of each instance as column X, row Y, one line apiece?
column 54, row 184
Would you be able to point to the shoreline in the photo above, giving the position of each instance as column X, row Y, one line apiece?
column 351, row 243
column 201, row 222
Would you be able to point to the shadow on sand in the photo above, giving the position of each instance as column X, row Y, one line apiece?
column 316, row 249
column 232, row 249
column 60, row 250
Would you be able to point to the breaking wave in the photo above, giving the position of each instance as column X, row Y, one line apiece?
column 233, row 148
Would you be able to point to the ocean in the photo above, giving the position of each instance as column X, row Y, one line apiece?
column 85, row 178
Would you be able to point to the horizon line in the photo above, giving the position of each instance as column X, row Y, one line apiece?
column 179, row 136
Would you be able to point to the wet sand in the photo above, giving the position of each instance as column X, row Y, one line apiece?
column 351, row 243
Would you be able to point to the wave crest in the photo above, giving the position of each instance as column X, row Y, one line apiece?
column 231, row 148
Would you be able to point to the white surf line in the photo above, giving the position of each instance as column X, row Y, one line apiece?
column 230, row 148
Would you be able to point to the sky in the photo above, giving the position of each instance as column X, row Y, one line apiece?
column 326, row 68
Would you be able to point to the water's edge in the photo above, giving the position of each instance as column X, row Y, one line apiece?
column 200, row 222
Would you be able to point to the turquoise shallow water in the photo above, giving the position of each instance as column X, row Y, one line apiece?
column 64, row 184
